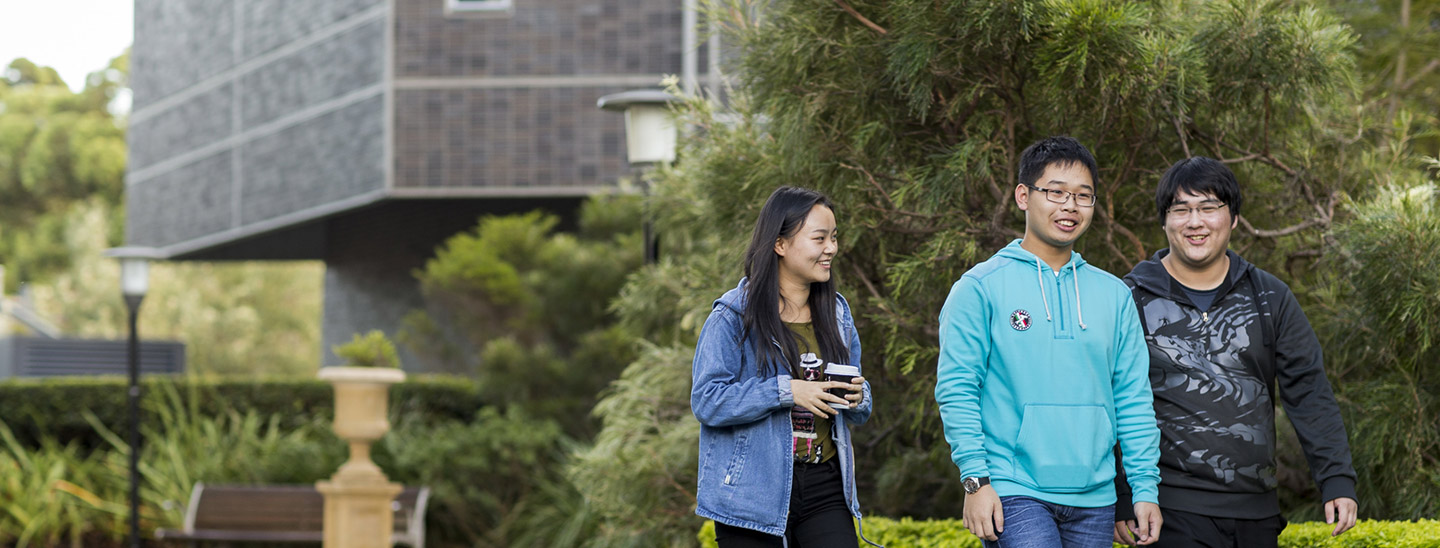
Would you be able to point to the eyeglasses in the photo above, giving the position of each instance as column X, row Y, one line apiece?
column 1082, row 199
column 1183, row 212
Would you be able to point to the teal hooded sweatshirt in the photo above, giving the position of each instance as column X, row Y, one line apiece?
column 1040, row 374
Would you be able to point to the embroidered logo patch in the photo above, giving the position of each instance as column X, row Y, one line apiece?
column 1020, row 320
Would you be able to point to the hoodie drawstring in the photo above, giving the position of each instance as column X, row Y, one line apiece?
column 1074, row 273
column 1041, row 280
column 1079, row 312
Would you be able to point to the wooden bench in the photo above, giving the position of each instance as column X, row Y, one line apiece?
column 280, row 514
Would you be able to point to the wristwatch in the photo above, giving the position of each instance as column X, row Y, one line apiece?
column 973, row 484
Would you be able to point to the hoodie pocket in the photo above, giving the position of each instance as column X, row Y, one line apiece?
column 1062, row 447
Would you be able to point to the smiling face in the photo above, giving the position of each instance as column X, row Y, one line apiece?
column 1198, row 240
column 805, row 257
column 1053, row 226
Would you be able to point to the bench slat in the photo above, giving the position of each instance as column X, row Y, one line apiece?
column 240, row 536
column 281, row 513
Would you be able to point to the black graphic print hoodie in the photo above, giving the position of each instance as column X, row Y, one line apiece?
column 1215, row 374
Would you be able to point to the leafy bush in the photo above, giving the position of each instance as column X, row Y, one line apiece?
column 51, row 408
column 66, row 495
column 370, row 350
column 525, row 308
column 641, row 470
column 951, row 533
column 481, row 473
column 492, row 474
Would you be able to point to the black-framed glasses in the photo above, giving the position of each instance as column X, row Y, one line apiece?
column 1206, row 210
column 1082, row 199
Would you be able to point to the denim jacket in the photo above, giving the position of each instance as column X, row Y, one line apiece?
column 746, row 458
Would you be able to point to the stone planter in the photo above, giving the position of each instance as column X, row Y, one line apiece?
column 358, row 496
column 362, row 400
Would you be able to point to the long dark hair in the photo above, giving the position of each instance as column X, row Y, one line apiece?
column 782, row 217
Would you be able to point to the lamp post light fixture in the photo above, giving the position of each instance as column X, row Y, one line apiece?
column 649, row 131
column 134, row 282
column 649, row 138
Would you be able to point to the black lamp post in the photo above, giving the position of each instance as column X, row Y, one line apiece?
column 134, row 281
column 649, row 138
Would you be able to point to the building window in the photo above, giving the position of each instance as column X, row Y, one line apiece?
column 478, row 7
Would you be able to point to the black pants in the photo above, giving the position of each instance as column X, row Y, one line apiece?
column 818, row 514
column 1187, row 530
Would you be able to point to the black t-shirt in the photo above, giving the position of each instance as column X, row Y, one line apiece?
column 1201, row 299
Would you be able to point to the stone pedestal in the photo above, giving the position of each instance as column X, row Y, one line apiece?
column 358, row 516
column 358, row 498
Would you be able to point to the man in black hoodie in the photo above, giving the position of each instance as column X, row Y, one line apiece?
column 1224, row 335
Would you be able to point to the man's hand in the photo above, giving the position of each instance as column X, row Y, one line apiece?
column 1341, row 512
column 983, row 515
column 1144, row 529
column 1123, row 534
column 812, row 395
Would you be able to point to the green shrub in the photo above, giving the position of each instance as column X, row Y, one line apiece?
column 951, row 533
column 640, row 473
column 370, row 350
column 524, row 308
column 51, row 408
column 66, row 495
column 492, row 474
column 480, row 473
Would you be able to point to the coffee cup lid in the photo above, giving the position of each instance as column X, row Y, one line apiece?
column 841, row 369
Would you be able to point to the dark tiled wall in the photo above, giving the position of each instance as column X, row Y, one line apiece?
column 200, row 121
column 178, row 43
column 268, row 24
column 347, row 62
column 308, row 134
column 540, row 37
column 335, row 156
column 186, row 203
column 506, row 138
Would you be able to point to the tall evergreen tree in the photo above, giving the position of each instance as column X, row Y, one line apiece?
column 911, row 115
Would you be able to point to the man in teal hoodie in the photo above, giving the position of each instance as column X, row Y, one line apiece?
column 1043, row 368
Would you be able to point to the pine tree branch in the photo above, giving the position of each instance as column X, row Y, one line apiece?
column 1184, row 143
column 877, row 28
column 873, row 183
column 1431, row 66
column 1307, row 223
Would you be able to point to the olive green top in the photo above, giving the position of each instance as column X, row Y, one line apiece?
column 820, row 447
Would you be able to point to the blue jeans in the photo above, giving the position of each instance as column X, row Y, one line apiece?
column 1032, row 523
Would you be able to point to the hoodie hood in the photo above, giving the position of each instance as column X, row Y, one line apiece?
column 1151, row 276
column 1015, row 252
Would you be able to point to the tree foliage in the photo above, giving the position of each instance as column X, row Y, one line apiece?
column 62, row 167
column 1383, row 315
column 911, row 115
column 523, row 308
column 1399, row 54
column 247, row 319
column 58, row 149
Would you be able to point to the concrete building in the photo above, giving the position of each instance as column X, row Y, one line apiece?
column 363, row 132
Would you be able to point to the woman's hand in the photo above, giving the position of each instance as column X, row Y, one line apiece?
column 857, row 391
column 812, row 395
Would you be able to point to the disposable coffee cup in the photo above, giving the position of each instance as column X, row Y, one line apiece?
column 841, row 373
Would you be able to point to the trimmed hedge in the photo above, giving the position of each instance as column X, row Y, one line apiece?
column 951, row 533
column 51, row 407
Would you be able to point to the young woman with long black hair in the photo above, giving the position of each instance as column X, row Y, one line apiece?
column 776, row 463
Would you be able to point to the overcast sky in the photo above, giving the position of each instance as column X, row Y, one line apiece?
column 76, row 37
